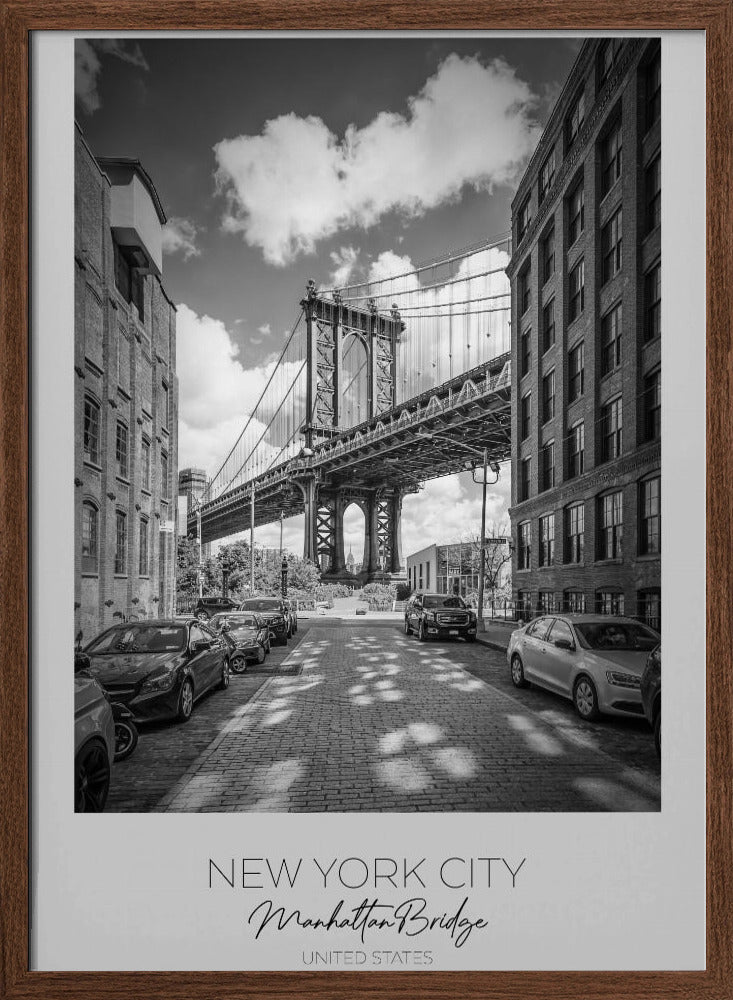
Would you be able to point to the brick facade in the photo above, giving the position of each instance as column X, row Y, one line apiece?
column 620, row 109
column 125, row 374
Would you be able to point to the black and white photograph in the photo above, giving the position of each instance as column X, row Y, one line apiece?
column 367, row 424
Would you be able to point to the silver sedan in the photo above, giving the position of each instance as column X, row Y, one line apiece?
column 594, row 660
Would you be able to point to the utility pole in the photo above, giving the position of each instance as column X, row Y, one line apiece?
column 480, row 614
column 282, row 515
column 252, row 542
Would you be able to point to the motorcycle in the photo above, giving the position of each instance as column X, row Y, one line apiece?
column 126, row 732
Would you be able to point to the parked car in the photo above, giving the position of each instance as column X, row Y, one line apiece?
column 247, row 635
column 292, row 607
column 594, row 660
column 94, row 744
column 651, row 695
column 437, row 616
column 274, row 612
column 208, row 606
column 158, row 669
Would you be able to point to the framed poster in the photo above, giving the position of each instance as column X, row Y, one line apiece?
column 468, row 216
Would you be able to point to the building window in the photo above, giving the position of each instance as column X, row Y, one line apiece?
column 89, row 538
column 547, row 175
column 548, row 325
column 121, row 453
column 164, row 475
column 574, row 120
column 547, row 540
column 524, row 604
column 654, row 90
column 525, row 293
column 574, row 602
column 164, row 405
column 651, row 516
column 609, row 602
column 525, row 474
column 649, row 608
column 525, row 417
column 91, row 431
column 421, row 587
column 143, row 561
column 525, row 359
column 548, row 396
column 576, row 214
column 608, row 55
column 574, row 533
column 653, row 302
column 547, row 470
column 145, row 464
column 611, row 159
column 523, row 219
column 576, row 451
column 120, row 543
column 610, row 526
column 524, row 550
column 548, row 256
column 576, row 281
column 653, row 406
column 611, row 340
column 427, row 575
column 653, row 189
column 611, row 430
column 545, row 602
column 576, row 372
column 129, row 280
column 611, row 246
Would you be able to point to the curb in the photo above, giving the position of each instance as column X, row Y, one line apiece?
column 491, row 644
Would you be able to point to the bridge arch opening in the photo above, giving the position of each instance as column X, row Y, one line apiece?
column 354, row 537
column 355, row 386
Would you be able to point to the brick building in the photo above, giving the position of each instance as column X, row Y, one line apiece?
column 586, row 351
column 125, row 398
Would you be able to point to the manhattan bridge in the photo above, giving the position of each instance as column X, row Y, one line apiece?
column 380, row 386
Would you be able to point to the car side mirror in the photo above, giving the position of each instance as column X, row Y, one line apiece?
column 564, row 644
column 81, row 662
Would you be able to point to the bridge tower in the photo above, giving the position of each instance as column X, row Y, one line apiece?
column 329, row 322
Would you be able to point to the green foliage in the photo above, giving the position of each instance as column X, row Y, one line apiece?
column 402, row 591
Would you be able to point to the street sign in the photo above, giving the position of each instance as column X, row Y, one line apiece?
column 497, row 541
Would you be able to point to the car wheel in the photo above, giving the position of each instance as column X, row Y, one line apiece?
column 224, row 682
column 658, row 733
column 91, row 777
column 185, row 701
column 261, row 654
column 408, row 630
column 238, row 664
column 585, row 698
column 126, row 737
column 470, row 638
column 517, row 668
column 283, row 641
column 268, row 647
column 422, row 632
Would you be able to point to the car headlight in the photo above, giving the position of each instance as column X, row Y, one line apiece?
column 622, row 680
column 161, row 682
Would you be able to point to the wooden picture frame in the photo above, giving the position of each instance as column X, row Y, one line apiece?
column 21, row 17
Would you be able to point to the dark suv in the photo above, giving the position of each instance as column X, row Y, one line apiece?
column 275, row 613
column 208, row 606
column 435, row 616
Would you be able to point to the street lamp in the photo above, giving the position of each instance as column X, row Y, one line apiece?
column 199, row 571
column 484, row 481
column 284, row 577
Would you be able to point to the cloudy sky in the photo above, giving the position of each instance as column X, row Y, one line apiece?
column 278, row 160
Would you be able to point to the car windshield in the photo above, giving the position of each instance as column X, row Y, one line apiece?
column 617, row 636
column 440, row 601
column 237, row 620
column 140, row 639
column 263, row 604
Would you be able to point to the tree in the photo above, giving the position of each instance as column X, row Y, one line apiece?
column 496, row 554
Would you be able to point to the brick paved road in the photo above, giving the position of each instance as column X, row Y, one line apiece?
column 379, row 722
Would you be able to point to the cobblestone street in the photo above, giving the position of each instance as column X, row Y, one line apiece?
column 377, row 721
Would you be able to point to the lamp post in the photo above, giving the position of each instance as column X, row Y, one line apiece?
column 199, row 569
column 252, row 542
column 284, row 577
column 282, row 515
column 494, row 466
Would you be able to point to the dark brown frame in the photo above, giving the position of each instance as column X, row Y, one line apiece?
column 17, row 19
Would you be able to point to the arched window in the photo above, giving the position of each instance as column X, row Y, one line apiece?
column 122, row 452
column 89, row 537
column 120, row 543
column 164, row 475
column 145, row 463
column 91, row 430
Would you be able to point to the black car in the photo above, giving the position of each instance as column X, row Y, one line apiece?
column 208, row 606
column 275, row 613
column 247, row 635
column 437, row 616
column 158, row 669
column 651, row 695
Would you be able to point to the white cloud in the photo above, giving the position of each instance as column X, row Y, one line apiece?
column 297, row 182
column 88, row 66
column 179, row 236
column 344, row 261
column 264, row 329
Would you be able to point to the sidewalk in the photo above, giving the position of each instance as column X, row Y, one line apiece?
column 496, row 633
